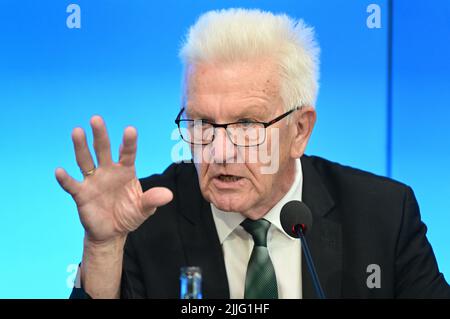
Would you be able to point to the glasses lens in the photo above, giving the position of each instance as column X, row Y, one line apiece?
column 247, row 134
column 196, row 131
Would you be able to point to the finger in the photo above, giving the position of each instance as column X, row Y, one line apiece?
column 82, row 153
column 154, row 198
column 101, row 141
column 127, row 153
column 120, row 152
column 69, row 184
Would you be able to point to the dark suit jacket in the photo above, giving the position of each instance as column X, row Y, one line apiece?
column 359, row 219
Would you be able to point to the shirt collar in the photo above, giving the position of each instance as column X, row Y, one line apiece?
column 226, row 222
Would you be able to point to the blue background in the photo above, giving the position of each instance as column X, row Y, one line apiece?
column 123, row 65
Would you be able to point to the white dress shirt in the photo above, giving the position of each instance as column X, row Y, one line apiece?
column 284, row 251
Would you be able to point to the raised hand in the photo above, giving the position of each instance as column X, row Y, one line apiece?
column 110, row 200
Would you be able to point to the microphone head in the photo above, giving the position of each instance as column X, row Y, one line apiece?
column 295, row 214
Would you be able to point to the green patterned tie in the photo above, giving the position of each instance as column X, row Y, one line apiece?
column 260, row 282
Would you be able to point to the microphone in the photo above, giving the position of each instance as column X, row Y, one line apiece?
column 296, row 220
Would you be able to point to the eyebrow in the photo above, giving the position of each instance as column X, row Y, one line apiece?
column 249, row 112
column 253, row 111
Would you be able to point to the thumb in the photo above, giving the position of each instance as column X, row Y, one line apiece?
column 154, row 198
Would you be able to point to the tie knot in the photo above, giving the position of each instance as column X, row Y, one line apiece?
column 258, row 229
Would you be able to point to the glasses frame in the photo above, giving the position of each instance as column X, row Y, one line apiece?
column 178, row 120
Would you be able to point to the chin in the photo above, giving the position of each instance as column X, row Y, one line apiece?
column 230, row 203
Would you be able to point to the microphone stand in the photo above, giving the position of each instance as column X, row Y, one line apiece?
column 309, row 262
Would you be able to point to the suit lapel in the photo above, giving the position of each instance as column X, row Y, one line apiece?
column 325, row 236
column 199, row 236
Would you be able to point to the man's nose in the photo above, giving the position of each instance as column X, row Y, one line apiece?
column 222, row 149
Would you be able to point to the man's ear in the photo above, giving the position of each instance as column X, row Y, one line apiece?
column 303, row 123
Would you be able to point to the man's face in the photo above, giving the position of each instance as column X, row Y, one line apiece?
column 229, row 175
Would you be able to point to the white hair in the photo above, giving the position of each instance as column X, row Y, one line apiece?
column 234, row 35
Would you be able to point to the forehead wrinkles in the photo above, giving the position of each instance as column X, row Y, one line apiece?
column 244, row 82
column 252, row 75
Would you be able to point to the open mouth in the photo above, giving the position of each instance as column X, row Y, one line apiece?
column 229, row 178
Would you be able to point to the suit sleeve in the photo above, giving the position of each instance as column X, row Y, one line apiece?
column 132, row 285
column 416, row 270
column 78, row 290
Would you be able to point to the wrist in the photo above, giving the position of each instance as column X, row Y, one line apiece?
column 101, row 267
column 117, row 242
column 107, row 248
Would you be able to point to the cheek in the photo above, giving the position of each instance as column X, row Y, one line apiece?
column 201, row 154
column 258, row 181
column 269, row 152
column 279, row 148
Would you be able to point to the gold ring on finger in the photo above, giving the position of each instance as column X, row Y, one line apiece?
column 89, row 172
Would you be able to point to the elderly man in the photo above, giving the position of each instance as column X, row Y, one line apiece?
column 247, row 113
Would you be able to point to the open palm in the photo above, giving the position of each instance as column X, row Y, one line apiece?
column 110, row 199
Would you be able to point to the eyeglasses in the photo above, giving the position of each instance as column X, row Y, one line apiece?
column 241, row 133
